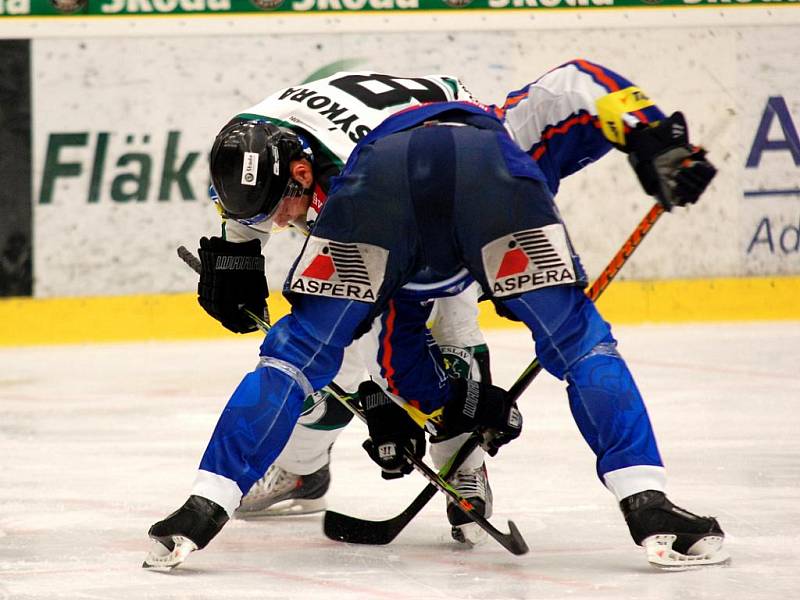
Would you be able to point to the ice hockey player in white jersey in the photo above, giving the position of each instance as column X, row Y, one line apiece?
column 565, row 120
column 329, row 116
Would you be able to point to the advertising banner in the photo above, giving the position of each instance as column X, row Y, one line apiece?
column 770, row 194
column 107, row 8
column 122, row 129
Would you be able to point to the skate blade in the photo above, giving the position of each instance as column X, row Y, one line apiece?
column 469, row 534
column 162, row 559
column 286, row 508
column 705, row 552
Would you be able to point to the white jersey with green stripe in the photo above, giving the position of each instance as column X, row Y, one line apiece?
column 341, row 109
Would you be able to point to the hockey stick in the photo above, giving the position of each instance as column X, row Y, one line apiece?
column 512, row 541
column 362, row 531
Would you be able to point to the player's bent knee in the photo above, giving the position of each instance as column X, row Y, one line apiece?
column 288, row 339
column 578, row 336
column 565, row 324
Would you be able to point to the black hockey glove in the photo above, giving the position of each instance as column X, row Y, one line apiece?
column 231, row 280
column 390, row 431
column 668, row 167
column 484, row 408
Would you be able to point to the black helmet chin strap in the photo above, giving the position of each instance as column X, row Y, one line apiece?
column 302, row 226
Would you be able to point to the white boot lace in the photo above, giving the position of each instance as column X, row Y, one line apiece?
column 276, row 481
column 471, row 484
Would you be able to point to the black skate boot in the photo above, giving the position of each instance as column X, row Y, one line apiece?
column 281, row 493
column 671, row 536
column 189, row 528
column 474, row 486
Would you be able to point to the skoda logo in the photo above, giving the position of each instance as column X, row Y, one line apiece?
column 266, row 4
column 68, row 6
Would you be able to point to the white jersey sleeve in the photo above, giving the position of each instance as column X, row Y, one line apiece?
column 238, row 232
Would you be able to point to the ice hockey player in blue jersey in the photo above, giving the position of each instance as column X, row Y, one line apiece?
column 432, row 198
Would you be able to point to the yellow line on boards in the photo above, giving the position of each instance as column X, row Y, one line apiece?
column 111, row 319
column 26, row 321
column 686, row 300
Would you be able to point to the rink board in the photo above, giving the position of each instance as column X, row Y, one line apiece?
column 122, row 116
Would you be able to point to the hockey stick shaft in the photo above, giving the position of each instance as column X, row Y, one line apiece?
column 382, row 532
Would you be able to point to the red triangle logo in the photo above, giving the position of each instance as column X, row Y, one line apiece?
column 320, row 268
column 515, row 261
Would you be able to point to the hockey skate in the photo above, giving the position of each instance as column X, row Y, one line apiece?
column 474, row 486
column 672, row 537
column 189, row 528
column 280, row 493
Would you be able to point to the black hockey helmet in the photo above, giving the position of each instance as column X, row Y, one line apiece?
column 250, row 168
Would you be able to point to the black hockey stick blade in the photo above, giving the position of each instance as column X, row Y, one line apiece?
column 514, row 542
column 352, row 530
column 511, row 541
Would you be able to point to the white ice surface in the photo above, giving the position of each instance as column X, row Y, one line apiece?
column 99, row 442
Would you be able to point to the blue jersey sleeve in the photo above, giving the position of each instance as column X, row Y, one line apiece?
column 573, row 115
